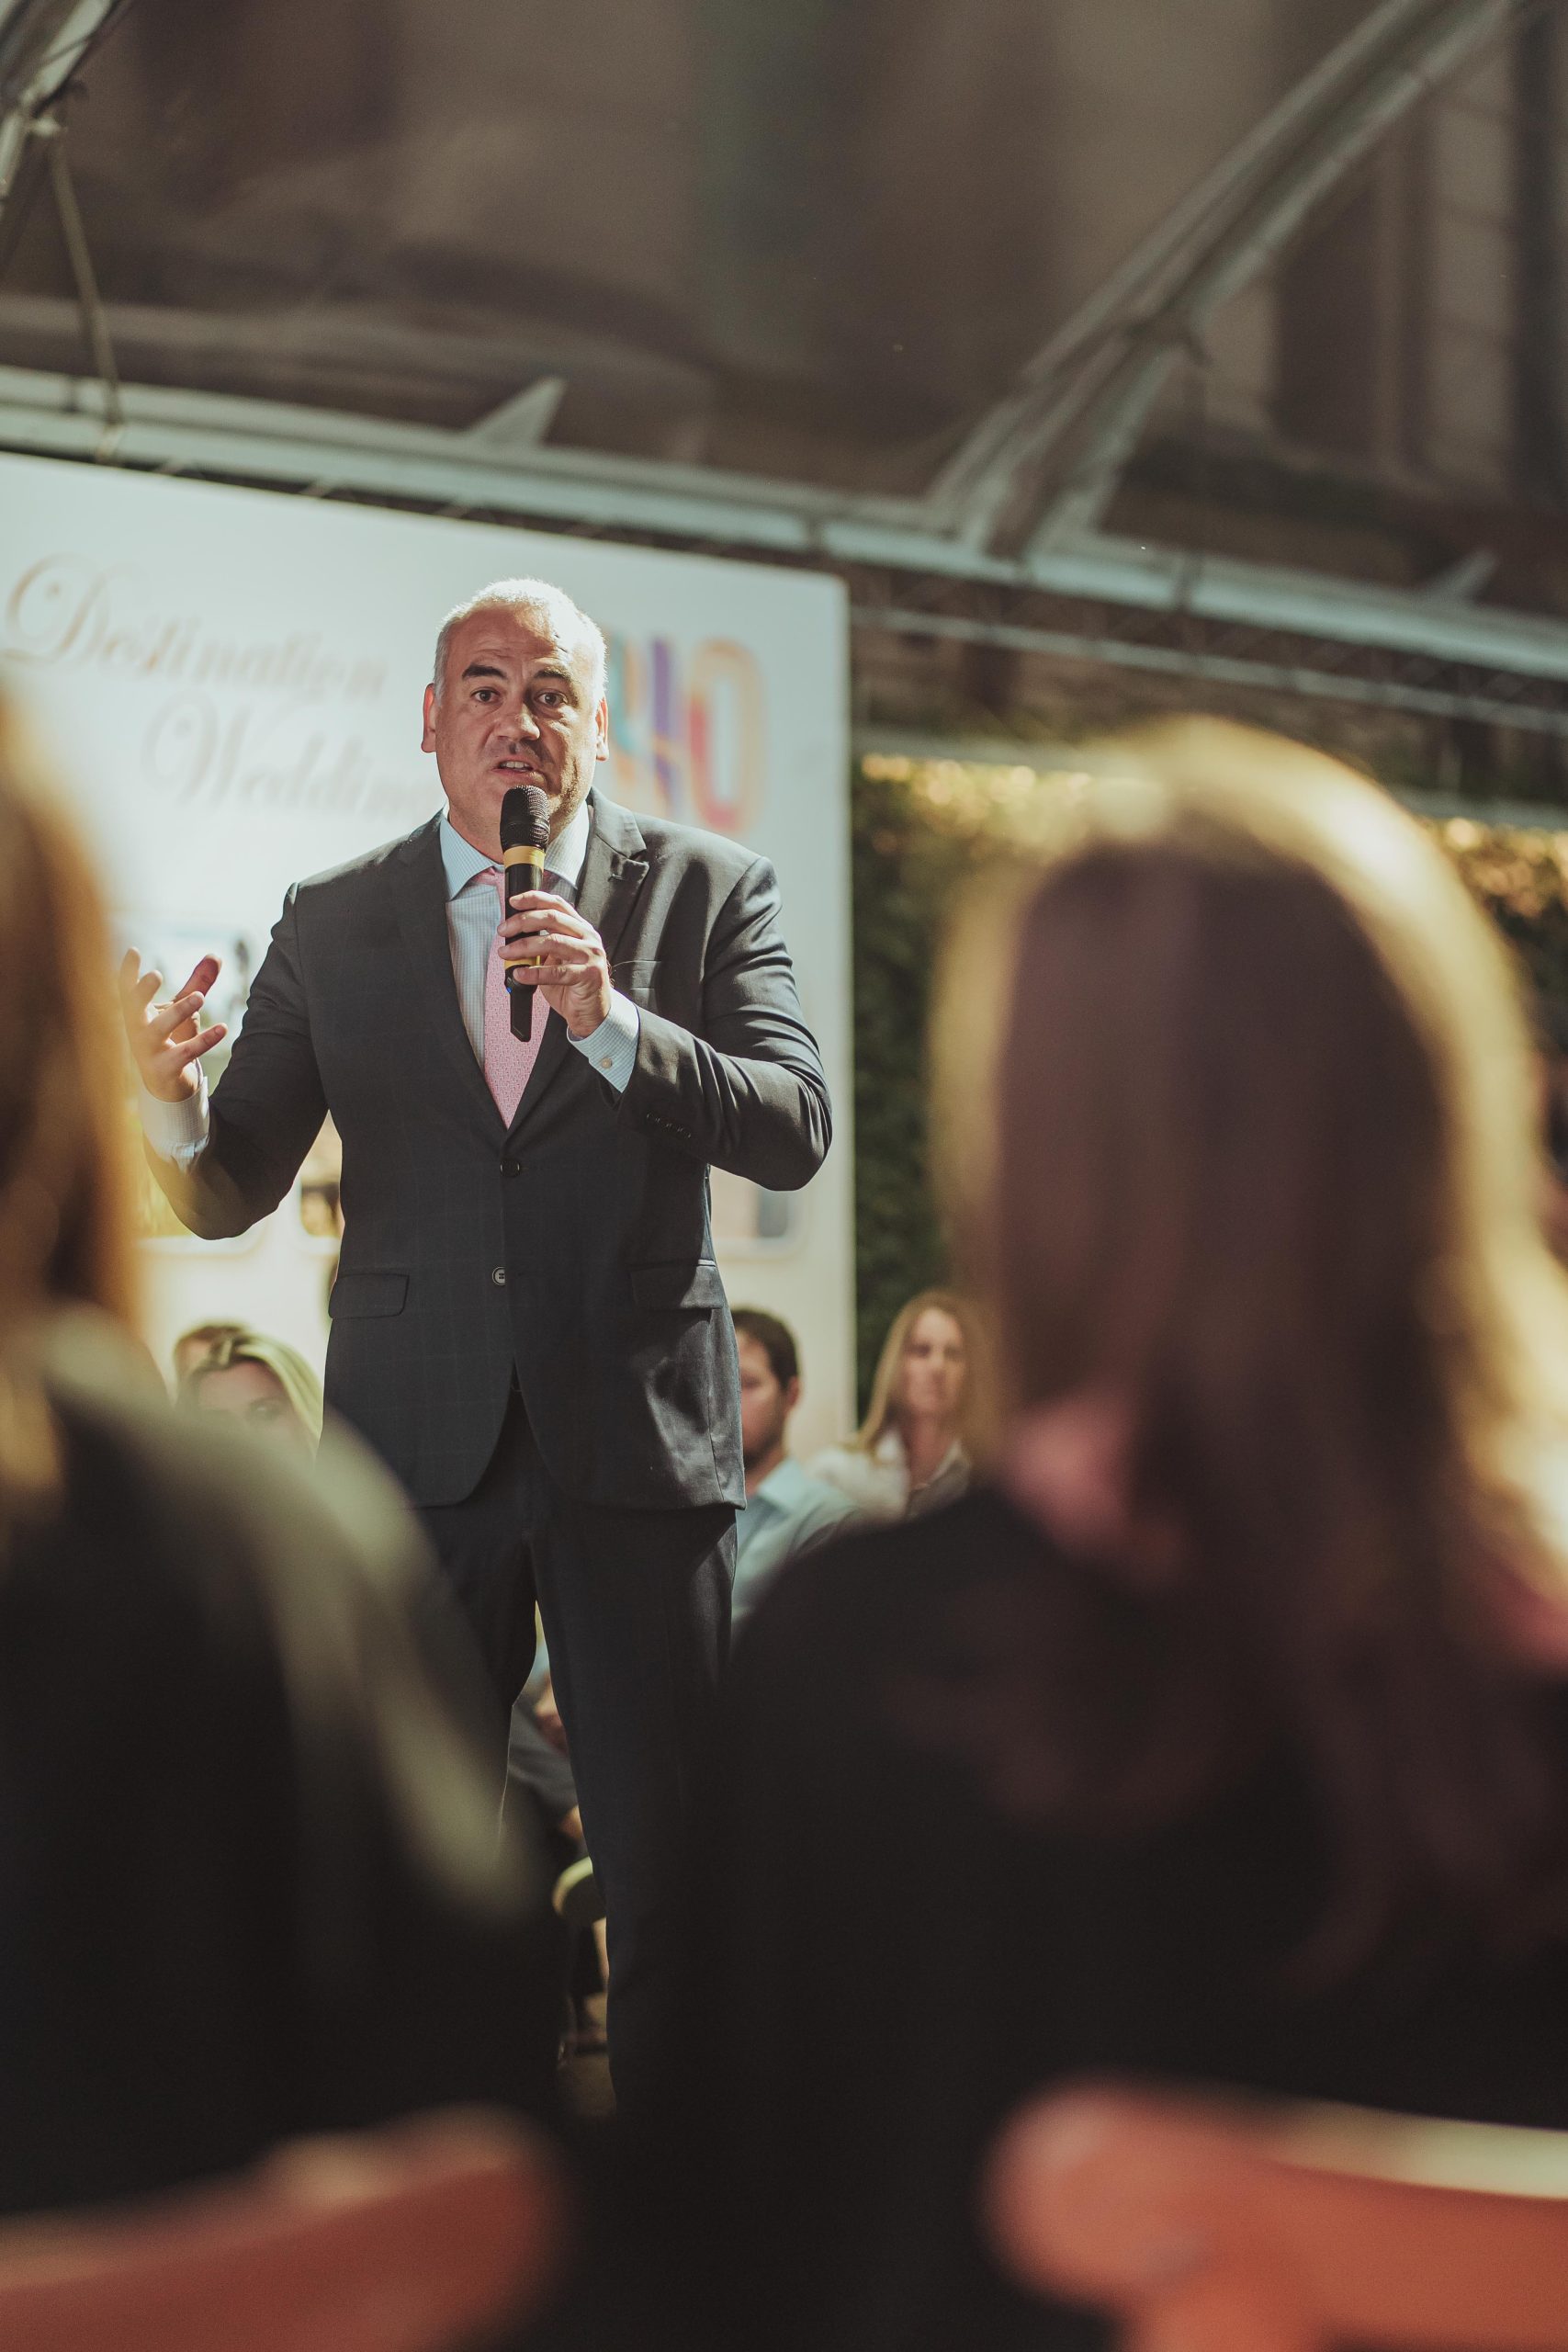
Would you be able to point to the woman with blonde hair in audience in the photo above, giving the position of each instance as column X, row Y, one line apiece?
column 262, row 1383
column 250, row 1882
column 191, row 1346
column 1221, row 1735
column 912, row 1452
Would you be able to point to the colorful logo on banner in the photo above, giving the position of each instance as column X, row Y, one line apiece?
column 687, row 738
column 284, row 718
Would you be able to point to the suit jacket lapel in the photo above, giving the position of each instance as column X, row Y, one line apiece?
column 420, row 882
column 614, row 871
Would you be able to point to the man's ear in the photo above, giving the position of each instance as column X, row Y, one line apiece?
column 602, row 729
column 427, row 740
column 792, row 1394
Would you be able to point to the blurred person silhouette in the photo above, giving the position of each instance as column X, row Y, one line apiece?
column 264, row 1384
column 191, row 1346
column 250, row 1881
column 912, row 1452
column 1221, row 1734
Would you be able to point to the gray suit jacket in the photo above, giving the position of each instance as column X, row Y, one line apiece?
column 575, row 1245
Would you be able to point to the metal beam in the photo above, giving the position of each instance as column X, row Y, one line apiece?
column 1306, row 603
column 42, row 44
column 262, row 442
column 1465, row 579
column 344, row 356
column 1220, row 668
column 521, row 422
column 1041, row 466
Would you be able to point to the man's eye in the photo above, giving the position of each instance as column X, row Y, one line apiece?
column 484, row 693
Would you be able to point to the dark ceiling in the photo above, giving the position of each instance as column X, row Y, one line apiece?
column 818, row 239
column 802, row 237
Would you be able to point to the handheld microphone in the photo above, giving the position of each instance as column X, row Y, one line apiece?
column 524, row 837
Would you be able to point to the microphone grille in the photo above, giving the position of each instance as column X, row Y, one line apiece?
column 524, row 818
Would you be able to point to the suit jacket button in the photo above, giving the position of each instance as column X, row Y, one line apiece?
column 511, row 1168
column 497, row 1276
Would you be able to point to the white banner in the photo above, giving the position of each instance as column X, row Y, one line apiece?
column 230, row 681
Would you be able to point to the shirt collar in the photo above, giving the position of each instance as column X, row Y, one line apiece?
column 889, row 1448
column 781, row 1488
column 461, row 861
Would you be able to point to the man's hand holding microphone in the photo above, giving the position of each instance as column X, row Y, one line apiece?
column 166, row 1040
column 564, row 958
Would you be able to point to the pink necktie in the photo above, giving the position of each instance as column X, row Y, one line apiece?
column 508, row 1060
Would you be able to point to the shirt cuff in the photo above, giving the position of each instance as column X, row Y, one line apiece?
column 612, row 1047
column 176, row 1131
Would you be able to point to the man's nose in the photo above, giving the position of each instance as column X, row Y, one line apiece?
column 520, row 722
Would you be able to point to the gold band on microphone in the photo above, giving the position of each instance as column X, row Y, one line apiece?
column 521, row 854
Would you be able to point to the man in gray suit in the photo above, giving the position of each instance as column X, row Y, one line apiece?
column 527, row 1323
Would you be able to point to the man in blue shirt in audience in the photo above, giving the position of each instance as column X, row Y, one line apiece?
column 786, row 1508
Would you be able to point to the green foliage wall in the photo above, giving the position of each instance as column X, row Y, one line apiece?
column 919, row 830
column 910, row 857
column 897, row 1248
column 1522, row 879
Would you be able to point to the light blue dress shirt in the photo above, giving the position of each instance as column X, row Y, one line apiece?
column 789, row 1512
column 473, row 912
column 177, row 1131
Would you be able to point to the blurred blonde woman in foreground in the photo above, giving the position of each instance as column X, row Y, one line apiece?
column 914, row 1449
column 249, row 1883
column 1223, row 1734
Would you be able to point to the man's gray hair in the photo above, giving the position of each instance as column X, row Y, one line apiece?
column 567, row 618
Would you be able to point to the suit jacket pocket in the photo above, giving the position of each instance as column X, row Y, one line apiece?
column 367, row 1295
column 685, row 1283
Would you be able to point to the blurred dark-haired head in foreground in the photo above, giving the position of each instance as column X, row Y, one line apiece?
column 1220, row 1733
column 1242, row 1155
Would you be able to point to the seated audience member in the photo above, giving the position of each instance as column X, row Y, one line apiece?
column 264, row 1384
column 539, row 1780
column 1221, row 1735
column 911, row 1452
column 193, row 1345
column 250, row 1882
column 786, row 1508
column 537, row 1757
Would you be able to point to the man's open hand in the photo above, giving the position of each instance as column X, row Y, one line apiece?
column 571, row 974
column 165, row 1042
